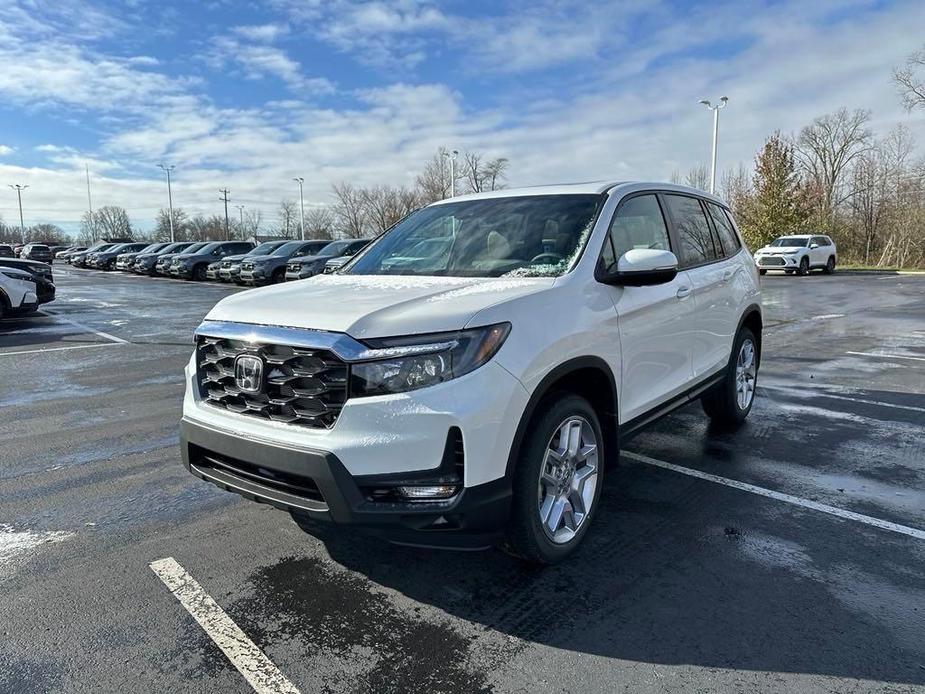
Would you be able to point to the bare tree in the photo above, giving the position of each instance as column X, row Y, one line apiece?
column 386, row 205
column 433, row 183
column 202, row 228
column 350, row 210
column 735, row 187
column 319, row 222
column 827, row 149
column 911, row 86
column 50, row 233
column 251, row 224
column 483, row 175
column 162, row 224
column 698, row 177
column 288, row 219
column 112, row 221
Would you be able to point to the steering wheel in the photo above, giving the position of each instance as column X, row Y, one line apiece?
column 548, row 258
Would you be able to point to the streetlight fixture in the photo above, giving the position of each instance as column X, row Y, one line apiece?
column 300, row 181
column 167, row 168
column 19, row 189
column 241, row 212
column 716, row 110
column 452, row 157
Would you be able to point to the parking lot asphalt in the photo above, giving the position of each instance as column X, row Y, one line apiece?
column 686, row 582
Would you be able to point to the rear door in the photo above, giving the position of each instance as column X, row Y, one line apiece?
column 654, row 322
column 710, row 272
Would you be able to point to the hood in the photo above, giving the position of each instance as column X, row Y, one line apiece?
column 240, row 256
column 366, row 306
column 310, row 258
column 781, row 249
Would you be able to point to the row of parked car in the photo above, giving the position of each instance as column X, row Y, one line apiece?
column 25, row 283
column 240, row 262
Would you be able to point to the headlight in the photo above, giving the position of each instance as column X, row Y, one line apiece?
column 16, row 275
column 400, row 364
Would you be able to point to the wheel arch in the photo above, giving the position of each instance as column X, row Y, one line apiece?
column 751, row 319
column 590, row 377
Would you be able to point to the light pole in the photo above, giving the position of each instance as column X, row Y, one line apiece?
column 241, row 213
column 19, row 189
column 300, row 181
column 90, row 204
column 167, row 169
column 452, row 157
column 716, row 110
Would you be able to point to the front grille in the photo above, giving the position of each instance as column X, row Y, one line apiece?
column 226, row 264
column 771, row 260
column 294, row 267
column 302, row 386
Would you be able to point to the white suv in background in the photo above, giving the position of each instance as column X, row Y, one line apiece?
column 17, row 292
column 476, row 396
column 798, row 253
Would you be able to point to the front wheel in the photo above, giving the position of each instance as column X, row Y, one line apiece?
column 729, row 403
column 762, row 272
column 557, row 482
column 199, row 273
column 804, row 266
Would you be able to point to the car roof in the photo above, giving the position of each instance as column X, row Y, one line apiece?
column 586, row 188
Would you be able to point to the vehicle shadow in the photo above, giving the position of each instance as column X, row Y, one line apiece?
column 659, row 580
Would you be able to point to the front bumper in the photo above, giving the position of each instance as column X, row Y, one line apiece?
column 228, row 274
column 255, row 276
column 212, row 273
column 315, row 484
column 777, row 262
column 181, row 272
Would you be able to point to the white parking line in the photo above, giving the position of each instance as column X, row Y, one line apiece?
column 258, row 670
column 86, row 328
column 780, row 496
column 822, row 394
column 884, row 355
column 58, row 349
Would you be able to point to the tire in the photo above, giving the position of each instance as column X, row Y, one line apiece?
column 279, row 276
column 554, row 485
column 789, row 272
column 723, row 404
column 830, row 265
column 804, row 267
column 199, row 273
column 762, row 272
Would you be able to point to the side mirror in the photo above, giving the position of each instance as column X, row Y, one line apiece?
column 813, row 245
column 642, row 267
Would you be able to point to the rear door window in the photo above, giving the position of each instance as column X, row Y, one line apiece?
column 725, row 232
column 693, row 230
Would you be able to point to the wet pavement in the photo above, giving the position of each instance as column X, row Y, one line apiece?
column 684, row 584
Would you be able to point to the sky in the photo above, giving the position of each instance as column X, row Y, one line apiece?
column 249, row 95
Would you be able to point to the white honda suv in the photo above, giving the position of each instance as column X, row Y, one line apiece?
column 473, row 391
column 798, row 253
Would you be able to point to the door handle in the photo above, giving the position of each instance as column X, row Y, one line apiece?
column 729, row 274
column 683, row 291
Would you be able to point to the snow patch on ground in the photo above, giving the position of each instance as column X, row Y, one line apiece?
column 16, row 545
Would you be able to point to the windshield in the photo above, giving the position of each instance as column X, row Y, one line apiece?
column 792, row 241
column 195, row 248
column 526, row 236
column 265, row 248
column 289, row 248
column 205, row 248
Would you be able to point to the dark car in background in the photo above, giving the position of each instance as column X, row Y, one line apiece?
column 6, row 251
column 37, row 251
column 41, row 274
column 162, row 266
column 145, row 262
column 106, row 260
column 192, row 265
column 126, row 260
column 272, row 268
column 230, row 270
column 306, row 266
column 81, row 259
column 105, row 254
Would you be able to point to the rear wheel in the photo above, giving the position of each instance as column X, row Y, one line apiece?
column 199, row 273
column 729, row 403
column 279, row 276
column 762, row 272
column 830, row 265
column 804, row 266
column 557, row 482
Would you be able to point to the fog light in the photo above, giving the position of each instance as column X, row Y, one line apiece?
column 431, row 493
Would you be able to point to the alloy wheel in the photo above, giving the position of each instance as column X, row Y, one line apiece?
column 568, row 479
column 746, row 373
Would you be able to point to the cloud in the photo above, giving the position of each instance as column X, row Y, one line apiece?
column 257, row 61
column 5, row 150
column 261, row 32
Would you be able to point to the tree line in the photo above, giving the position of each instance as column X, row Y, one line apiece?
column 836, row 176
column 355, row 212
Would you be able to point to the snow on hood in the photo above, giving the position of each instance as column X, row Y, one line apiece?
column 367, row 306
